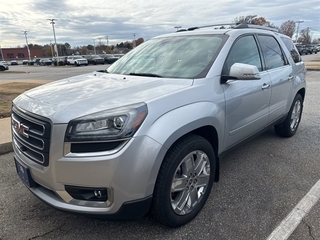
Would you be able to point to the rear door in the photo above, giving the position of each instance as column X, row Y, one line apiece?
column 281, row 75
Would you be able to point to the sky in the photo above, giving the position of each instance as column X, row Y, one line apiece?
column 83, row 22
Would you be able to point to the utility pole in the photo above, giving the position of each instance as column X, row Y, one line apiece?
column 54, row 35
column 100, row 44
column 107, row 40
column 51, row 49
column 25, row 34
column 94, row 46
column 134, row 40
column 298, row 29
column 1, row 53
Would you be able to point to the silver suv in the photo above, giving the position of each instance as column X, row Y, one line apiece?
column 149, row 132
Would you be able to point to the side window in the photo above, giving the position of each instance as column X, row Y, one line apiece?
column 292, row 49
column 272, row 52
column 244, row 50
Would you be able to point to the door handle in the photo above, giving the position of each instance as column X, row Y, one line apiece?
column 265, row 86
column 290, row 78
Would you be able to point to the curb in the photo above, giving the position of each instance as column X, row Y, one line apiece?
column 313, row 69
column 6, row 148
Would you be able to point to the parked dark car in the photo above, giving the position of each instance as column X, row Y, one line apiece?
column 119, row 55
column 45, row 62
column 25, row 62
column 36, row 61
column 110, row 58
column 94, row 59
column 312, row 49
column 302, row 49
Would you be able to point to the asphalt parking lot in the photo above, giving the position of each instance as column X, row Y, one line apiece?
column 260, row 184
column 45, row 73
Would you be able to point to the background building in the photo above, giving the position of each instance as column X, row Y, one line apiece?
column 10, row 54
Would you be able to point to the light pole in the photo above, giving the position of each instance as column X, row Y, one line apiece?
column 25, row 34
column 54, row 35
column 100, row 50
column 94, row 46
column 298, row 29
column 1, row 53
column 51, row 49
column 134, row 40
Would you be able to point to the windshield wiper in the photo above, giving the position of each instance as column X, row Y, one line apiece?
column 145, row 74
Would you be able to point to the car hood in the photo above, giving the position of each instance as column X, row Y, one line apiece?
column 67, row 99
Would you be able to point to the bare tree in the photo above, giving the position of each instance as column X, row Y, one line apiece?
column 316, row 41
column 139, row 41
column 252, row 19
column 305, row 36
column 244, row 19
column 288, row 28
column 261, row 21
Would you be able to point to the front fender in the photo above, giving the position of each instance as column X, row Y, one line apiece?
column 174, row 124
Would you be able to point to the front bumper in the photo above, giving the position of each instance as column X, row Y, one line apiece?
column 129, row 176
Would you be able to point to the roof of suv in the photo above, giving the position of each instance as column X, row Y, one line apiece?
column 238, row 28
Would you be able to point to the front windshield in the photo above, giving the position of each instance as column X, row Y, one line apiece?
column 171, row 57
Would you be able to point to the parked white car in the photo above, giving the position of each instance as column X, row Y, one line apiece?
column 77, row 61
column 4, row 66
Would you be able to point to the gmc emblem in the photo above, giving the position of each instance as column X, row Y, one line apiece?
column 20, row 127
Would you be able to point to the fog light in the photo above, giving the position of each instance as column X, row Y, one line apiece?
column 97, row 194
column 87, row 194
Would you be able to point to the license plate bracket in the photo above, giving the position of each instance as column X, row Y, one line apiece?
column 24, row 173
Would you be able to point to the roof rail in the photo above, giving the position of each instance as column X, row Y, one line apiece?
column 247, row 25
column 235, row 26
column 213, row 25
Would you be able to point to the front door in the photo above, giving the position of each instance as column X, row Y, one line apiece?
column 247, row 101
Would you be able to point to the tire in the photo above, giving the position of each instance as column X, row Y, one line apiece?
column 289, row 127
column 2, row 68
column 191, row 163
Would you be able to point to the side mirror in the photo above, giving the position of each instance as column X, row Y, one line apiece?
column 241, row 71
column 244, row 71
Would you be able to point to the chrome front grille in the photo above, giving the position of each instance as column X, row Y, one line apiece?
column 31, row 136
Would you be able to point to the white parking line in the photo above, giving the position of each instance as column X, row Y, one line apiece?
column 291, row 222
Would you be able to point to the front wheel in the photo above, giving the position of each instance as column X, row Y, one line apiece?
column 184, row 181
column 289, row 127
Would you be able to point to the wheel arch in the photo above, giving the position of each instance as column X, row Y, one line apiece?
column 206, row 120
column 211, row 135
column 208, row 132
column 302, row 92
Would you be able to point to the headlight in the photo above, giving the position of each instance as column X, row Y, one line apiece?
column 112, row 124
